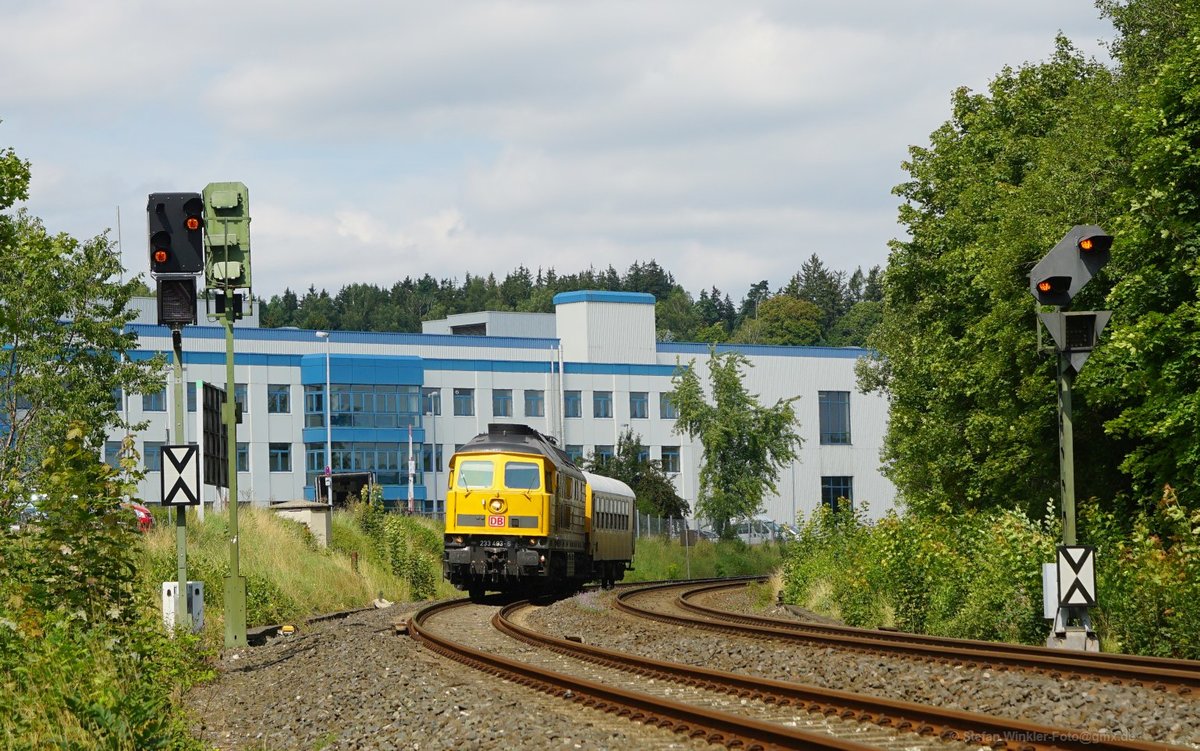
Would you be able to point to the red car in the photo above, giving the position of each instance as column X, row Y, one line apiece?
column 145, row 520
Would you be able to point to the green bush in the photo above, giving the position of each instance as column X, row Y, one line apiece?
column 978, row 575
column 84, row 661
column 1148, row 578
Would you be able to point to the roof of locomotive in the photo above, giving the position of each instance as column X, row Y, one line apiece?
column 519, row 439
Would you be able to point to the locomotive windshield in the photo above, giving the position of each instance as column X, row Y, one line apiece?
column 475, row 474
column 522, row 476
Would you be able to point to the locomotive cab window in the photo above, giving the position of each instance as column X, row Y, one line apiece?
column 475, row 474
column 522, row 476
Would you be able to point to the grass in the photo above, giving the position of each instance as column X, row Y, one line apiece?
column 657, row 558
column 288, row 576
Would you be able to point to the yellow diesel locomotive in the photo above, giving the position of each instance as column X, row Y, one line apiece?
column 522, row 518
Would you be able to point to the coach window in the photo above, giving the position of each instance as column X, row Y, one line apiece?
column 464, row 402
column 522, row 476
column 502, row 402
column 601, row 404
column 475, row 474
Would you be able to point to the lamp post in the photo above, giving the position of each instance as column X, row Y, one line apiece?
column 328, row 425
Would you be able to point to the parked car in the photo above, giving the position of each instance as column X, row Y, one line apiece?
column 755, row 531
column 145, row 520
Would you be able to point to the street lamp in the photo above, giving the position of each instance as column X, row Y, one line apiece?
column 328, row 425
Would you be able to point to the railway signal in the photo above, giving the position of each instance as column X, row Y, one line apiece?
column 1070, row 264
column 227, row 208
column 175, row 228
column 1056, row 280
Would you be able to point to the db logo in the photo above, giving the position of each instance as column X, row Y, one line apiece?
column 495, row 521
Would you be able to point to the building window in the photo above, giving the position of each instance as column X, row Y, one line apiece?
column 279, row 398
column 152, row 455
column 639, row 404
column 604, row 451
column 666, row 408
column 601, row 404
column 834, row 409
column 643, row 454
column 431, row 457
column 112, row 454
column 239, row 397
column 464, row 402
column 670, row 458
column 191, row 396
column 118, row 402
column 431, row 401
column 280, row 457
column 243, row 456
column 501, row 403
column 535, row 403
column 835, row 490
column 363, row 406
column 573, row 404
column 155, row 401
column 574, row 451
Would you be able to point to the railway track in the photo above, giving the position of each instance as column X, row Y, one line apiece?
column 1181, row 676
column 720, row 707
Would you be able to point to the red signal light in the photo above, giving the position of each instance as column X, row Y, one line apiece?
column 1095, row 243
column 1045, row 286
column 161, row 255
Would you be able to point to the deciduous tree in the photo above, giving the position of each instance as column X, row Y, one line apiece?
column 745, row 444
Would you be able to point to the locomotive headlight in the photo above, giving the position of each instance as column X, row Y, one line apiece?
column 497, row 505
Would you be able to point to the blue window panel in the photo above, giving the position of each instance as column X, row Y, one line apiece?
column 535, row 403
column 573, row 404
column 639, row 404
column 464, row 402
column 279, row 398
column 834, row 413
column 112, row 454
column 574, row 451
column 152, row 455
column 243, row 456
column 601, row 404
column 666, row 408
column 502, row 402
column 670, row 459
column 604, row 451
column 156, row 401
column 279, row 457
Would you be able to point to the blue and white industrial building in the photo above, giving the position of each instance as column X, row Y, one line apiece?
column 583, row 374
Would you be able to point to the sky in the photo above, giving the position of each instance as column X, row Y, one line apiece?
column 726, row 140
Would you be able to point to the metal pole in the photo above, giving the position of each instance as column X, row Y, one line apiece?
column 180, row 510
column 411, row 471
column 235, row 583
column 328, row 424
column 1066, row 448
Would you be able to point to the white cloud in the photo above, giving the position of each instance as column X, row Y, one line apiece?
column 728, row 141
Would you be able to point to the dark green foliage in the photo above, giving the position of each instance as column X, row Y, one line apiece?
column 656, row 495
column 411, row 549
column 712, row 317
